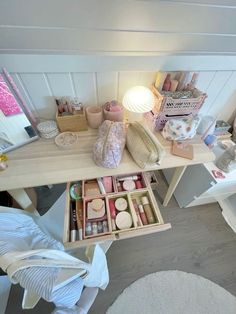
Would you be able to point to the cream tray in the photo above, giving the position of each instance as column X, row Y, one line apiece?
column 110, row 234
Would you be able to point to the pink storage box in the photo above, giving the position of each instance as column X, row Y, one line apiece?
column 161, row 119
column 167, row 108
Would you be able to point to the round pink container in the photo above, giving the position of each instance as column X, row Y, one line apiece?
column 94, row 116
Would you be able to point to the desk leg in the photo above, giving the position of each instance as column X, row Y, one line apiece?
column 22, row 198
column 179, row 171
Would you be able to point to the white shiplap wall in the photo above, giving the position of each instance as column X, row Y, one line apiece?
column 41, row 80
column 96, row 50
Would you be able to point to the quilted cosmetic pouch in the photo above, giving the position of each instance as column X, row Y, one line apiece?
column 110, row 143
column 143, row 145
column 181, row 129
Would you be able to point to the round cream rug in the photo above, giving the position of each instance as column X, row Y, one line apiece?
column 174, row 292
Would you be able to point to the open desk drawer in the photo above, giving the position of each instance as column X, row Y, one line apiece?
column 137, row 228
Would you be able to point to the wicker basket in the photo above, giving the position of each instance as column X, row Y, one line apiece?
column 72, row 123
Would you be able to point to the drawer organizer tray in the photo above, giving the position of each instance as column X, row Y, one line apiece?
column 112, row 220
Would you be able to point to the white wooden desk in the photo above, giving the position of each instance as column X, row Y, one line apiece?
column 43, row 163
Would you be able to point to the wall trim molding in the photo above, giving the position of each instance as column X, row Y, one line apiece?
column 34, row 63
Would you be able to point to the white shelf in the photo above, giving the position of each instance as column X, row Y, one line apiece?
column 199, row 186
column 229, row 177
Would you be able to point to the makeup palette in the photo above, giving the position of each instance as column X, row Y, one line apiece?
column 129, row 185
column 124, row 220
column 121, row 204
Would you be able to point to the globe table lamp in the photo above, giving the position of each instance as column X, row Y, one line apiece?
column 138, row 100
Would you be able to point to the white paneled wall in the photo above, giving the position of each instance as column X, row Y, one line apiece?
column 40, row 89
column 96, row 50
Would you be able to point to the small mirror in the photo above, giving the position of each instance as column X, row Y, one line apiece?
column 16, row 121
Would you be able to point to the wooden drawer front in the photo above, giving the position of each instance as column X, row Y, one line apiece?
column 135, row 230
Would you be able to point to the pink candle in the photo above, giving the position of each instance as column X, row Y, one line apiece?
column 94, row 116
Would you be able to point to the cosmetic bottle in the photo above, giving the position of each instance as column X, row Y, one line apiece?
column 105, row 226
column 94, row 228
column 119, row 187
column 73, row 222
column 182, row 79
column 192, row 84
column 128, row 178
column 138, row 184
column 139, row 220
column 173, row 86
column 79, row 214
column 142, row 215
column 107, row 183
column 100, row 227
column 148, row 210
column 113, row 213
column 160, row 79
column 167, row 84
column 88, row 229
column 187, row 80
column 101, row 186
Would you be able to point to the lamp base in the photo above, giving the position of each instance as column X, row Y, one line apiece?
column 131, row 117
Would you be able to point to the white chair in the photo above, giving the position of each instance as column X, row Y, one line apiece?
column 52, row 224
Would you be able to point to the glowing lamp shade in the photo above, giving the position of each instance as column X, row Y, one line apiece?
column 138, row 99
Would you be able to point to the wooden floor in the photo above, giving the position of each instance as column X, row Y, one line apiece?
column 199, row 242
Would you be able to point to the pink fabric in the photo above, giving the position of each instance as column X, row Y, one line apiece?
column 32, row 118
column 109, row 146
column 8, row 103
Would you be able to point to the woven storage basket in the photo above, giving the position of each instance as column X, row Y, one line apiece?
column 73, row 123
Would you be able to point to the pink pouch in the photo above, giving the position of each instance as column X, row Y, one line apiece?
column 110, row 143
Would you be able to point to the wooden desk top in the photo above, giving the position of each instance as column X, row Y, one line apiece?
column 42, row 162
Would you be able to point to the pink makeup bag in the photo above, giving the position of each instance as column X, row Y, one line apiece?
column 110, row 143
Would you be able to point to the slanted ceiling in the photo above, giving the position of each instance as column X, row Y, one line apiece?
column 97, row 49
column 118, row 26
